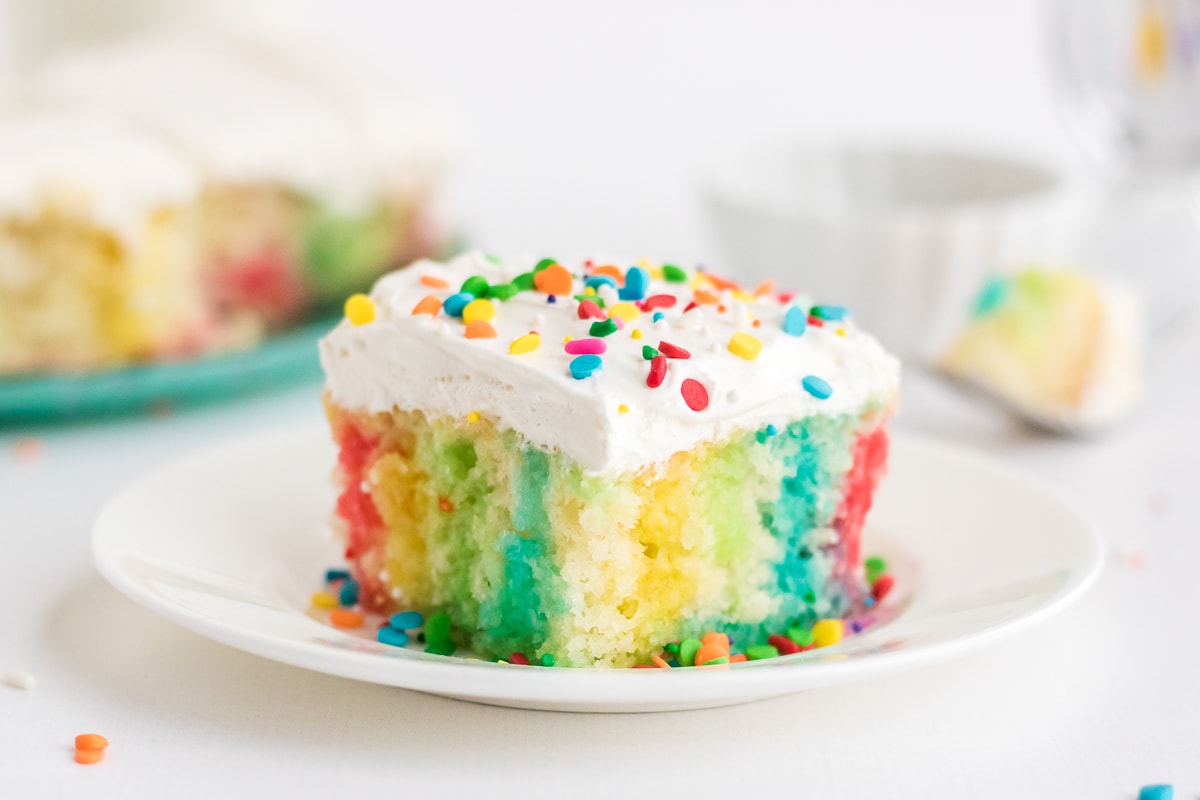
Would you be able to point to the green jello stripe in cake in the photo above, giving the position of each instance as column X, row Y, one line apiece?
column 517, row 608
column 463, row 486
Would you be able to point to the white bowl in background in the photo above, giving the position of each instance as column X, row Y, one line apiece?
column 904, row 236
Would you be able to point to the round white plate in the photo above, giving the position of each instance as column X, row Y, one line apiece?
column 231, row 543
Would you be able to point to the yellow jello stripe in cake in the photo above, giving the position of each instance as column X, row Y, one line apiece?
column 528, row 554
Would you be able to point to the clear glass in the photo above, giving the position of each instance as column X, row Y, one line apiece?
column 1127, row 74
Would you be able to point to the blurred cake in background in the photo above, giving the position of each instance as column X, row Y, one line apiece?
column 1061, row 348
column 311, row 177
column 96, row 243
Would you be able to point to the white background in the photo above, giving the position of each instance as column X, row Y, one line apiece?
column 585, row 126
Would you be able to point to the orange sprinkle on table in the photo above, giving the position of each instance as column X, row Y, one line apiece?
column 89, row 756
column 90, row 741
column 344, row 618
column 706, row 298
column 433, row 282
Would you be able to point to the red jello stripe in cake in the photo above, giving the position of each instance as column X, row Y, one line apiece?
column 365, row 531
column 870, row 461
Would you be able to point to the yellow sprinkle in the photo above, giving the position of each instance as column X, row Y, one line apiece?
column 645, row 264
column 480, row 310
column 324, row 600
column 828, row 632
column 590, row 290
column 626, row 311
column 622, row 409
column 656, row 273
column 840, row 331
column 636, row 333
column 525, row 344
column 743, row 345
column 566, row 339
column 742, row 295
column 473, row 416
column 359, row 309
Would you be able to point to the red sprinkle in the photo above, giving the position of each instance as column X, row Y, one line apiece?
column 783, row 644
column 690, row 306
column 672, row 351
column 786, row 297
column 518, row 658
column 883, row 585
column 589, row 310
column 694, row 394
column 445, row 505
column 816, row 321
column 659, row 301
column 658, row 371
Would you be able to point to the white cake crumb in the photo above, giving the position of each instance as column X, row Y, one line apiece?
column 20, row 679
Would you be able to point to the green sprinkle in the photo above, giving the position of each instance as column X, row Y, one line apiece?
column 687, row 652
column 547, row 660
column 809, row 597
column 648, row 352
column 761, row 651
column 721, row 660
column 875, row 566
column 673, row 274
column 437, row 629
column 441, row 648
column 801, row 636
column 524, row 281
column 492, row 258
column 476, row 285
column 603, row 327
column 672, row 648
column 545, row 262
column 503, row 291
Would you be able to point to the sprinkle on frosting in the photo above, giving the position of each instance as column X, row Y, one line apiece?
column 360, row 309
column 694, row 394
column 817, row 387
column 781, row 341
column 427, row 305
column 525, row 344
column 743, row 345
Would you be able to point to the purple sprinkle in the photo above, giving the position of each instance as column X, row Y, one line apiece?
column 551, row 298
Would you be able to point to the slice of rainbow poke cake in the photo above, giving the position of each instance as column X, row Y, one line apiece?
column 587, row 462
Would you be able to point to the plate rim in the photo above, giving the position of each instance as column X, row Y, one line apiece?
column 561, row 688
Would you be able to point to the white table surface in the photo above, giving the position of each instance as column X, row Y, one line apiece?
column 1092, row 704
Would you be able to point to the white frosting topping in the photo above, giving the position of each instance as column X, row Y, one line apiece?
column 244, row 115
column 611, row 420
column 90, row 163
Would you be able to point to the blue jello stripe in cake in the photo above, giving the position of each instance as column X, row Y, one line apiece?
column 813, row 451
column 518, row 608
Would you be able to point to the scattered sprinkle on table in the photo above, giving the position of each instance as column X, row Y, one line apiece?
column 1157, row 791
